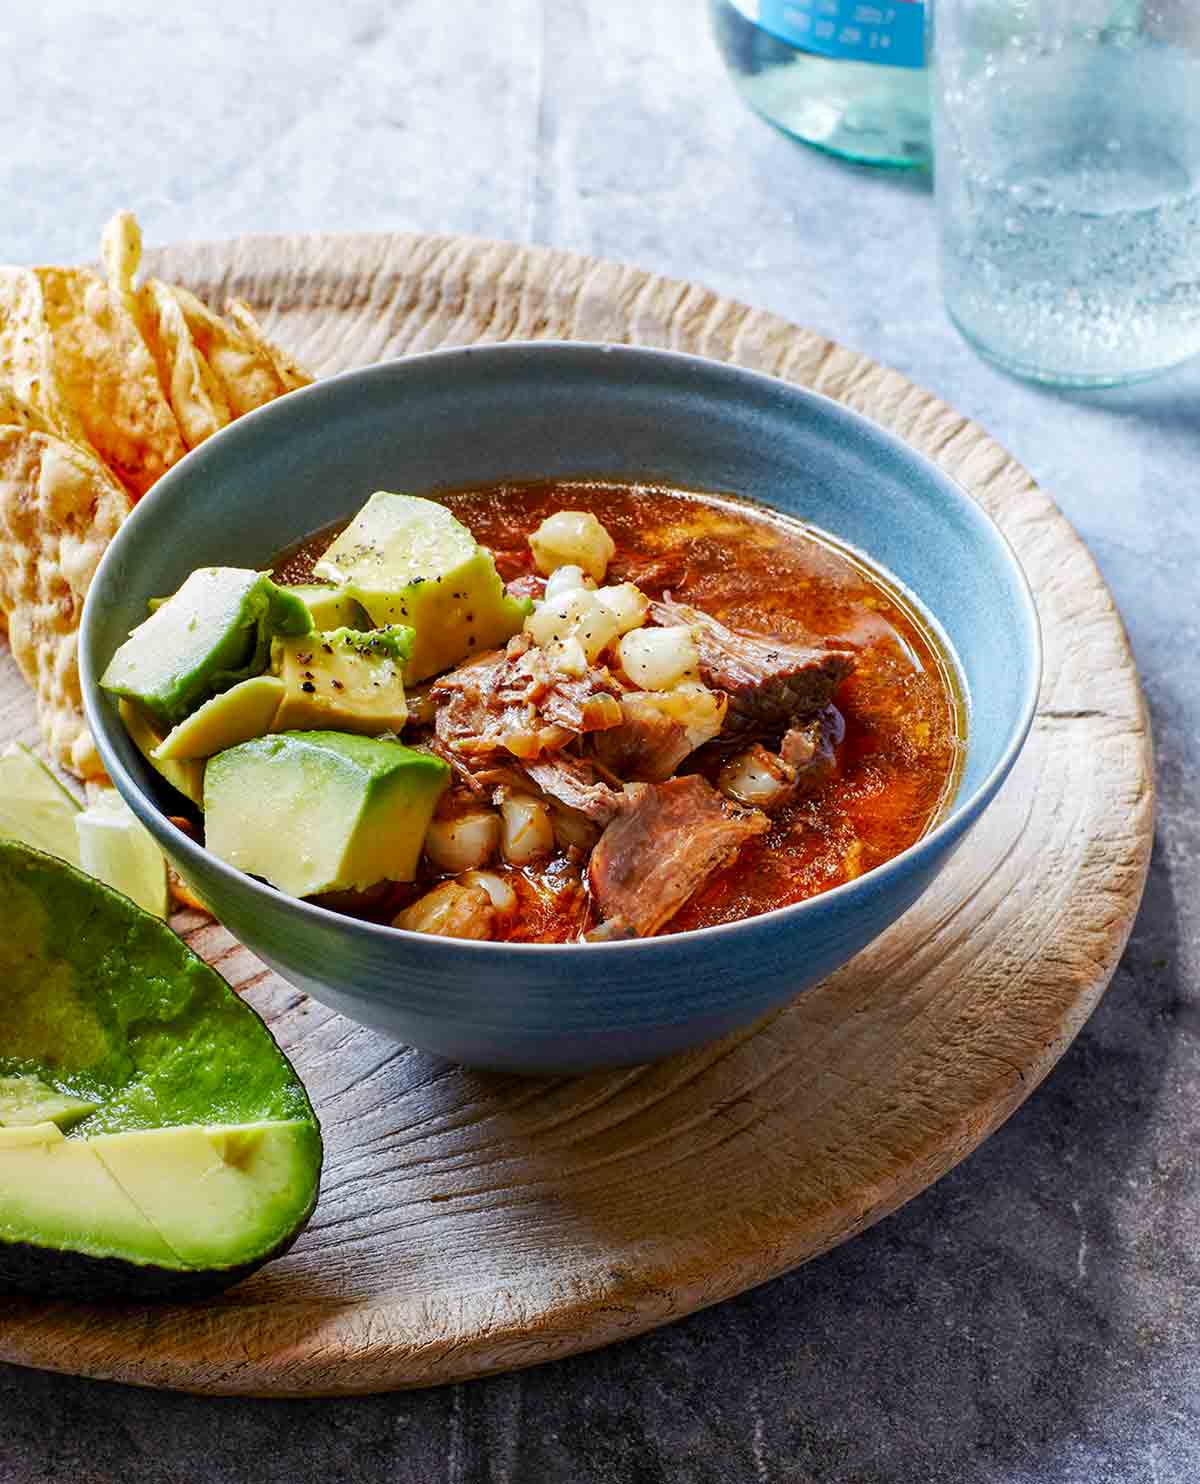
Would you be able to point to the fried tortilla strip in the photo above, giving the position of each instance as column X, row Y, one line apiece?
column 287, row 368
column 243, row 370
column 197, row 396
column 27, row 352
column 109, row 377
column 15, row 412
column 190, row 384
column 59, row 509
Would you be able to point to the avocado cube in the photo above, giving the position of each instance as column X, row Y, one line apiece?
column 408, row 561
column 330, row 607
column 344, row 681
column 237, row 715
column 318, row 811
column 148, row 736
column 213, row 632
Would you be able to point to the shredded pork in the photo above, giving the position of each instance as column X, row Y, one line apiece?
column 768, row 681
column 665, row 842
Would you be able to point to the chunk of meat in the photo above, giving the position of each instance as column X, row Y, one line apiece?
column 811, row 749
column 768, row 681
column 665, row 843
column 806, row 759
column 658, row 730
column 512, row 700
column 573, row 782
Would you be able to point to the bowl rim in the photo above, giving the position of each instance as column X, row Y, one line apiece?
column 961, row 814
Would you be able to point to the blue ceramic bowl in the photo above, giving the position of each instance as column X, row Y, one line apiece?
column 535, row 411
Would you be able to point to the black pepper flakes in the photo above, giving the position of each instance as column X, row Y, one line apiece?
column 337, row 684
column 308, row 686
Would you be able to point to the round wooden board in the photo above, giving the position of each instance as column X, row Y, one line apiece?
column 473, row 1223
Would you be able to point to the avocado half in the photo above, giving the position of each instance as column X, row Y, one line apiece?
column 154, row 1140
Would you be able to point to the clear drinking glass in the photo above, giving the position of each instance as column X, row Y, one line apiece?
column 1067, row 178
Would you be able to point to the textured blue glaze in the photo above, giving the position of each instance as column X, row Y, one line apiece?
column 484, row 414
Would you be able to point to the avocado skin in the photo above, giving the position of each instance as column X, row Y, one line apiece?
column 30, row 1271
column 53, row 1272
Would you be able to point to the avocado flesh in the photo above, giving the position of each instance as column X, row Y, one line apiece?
column 200, row 1155
column 408, row 561
column 27, row 1101
column 185, row 775
column 34, row 806
column 330, row 607
column 343, row 681
column 316, row 811
column 116, row 847
column 236, row 715
column 213, row 632
column 171, row 1194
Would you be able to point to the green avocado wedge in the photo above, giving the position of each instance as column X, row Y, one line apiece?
column 154, row 1140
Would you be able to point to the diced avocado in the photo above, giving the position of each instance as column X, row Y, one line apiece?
column 344, row 681
column 408, row 561
column 321, row 811
column 27, row 1100
column 330, row 607
column 116, row 847
column 215, row 631
column 247, row 710
column 34, row 807
column 148, row 736
column 193, row 1155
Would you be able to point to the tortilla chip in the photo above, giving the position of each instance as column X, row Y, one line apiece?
column 244, row 371
column 188, row 381
column 27, row 352
column 290, row 372
column 17, row 413
column 121, row 253
column 197, row 397
column 59, row 509
column 106, row 372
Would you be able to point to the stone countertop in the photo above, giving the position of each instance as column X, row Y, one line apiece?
column 1034, row 1317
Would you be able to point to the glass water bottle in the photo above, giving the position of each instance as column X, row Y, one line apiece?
column 846, row 76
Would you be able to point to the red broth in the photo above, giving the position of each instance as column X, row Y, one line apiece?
column 764, row 573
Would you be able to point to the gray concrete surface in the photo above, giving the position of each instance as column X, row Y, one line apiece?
column 1032, row 1319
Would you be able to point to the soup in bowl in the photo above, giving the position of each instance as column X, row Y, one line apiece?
column 545, row 706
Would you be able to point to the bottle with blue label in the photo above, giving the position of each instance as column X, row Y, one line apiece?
column 845, row 75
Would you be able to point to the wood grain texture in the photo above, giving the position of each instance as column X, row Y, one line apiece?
column 472, row 1223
